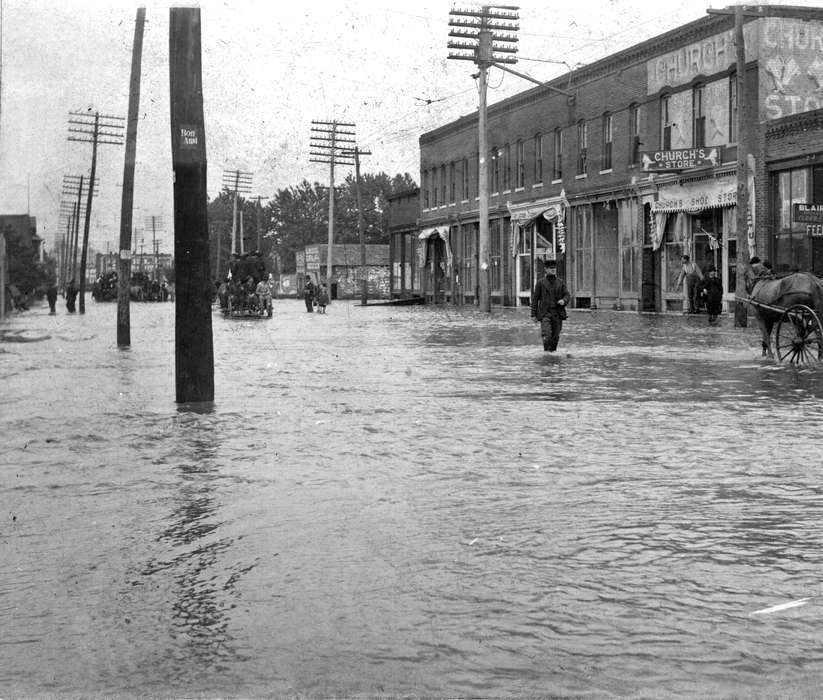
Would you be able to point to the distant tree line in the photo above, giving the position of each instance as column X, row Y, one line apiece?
column 297, row 216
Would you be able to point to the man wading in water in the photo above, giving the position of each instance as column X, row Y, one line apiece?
column 549, row 303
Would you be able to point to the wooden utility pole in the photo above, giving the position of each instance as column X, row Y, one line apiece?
column 237, row 182
column 194, row 349
column 127, row 200
column 483, row 36
column 744, row 148
column 77, row 187
column 155, row 224
column 364, row 293
column 329, row 144
column 258, row 211
column 93, row 129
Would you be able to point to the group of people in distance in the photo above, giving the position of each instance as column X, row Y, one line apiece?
column 706, row 287
column 315, row 296
column 247, row 289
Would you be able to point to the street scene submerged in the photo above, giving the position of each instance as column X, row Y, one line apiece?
column 533, row 407
column 408, row 501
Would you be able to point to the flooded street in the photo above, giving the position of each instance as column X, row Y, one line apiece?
column 410, row 501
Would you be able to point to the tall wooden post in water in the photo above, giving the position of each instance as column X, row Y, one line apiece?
column 194, row 350
column 127, row 201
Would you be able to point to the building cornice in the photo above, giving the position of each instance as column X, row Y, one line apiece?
column 795, row 124
column 672, row 40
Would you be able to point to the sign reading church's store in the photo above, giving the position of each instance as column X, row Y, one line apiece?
column 681, row 159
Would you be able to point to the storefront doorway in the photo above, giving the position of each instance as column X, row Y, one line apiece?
column 536, row 243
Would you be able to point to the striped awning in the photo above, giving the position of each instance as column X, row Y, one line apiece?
column 693, row 197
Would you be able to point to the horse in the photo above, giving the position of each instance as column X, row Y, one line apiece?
column 797, row 288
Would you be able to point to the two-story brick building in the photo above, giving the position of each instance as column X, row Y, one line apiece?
column 619, row 167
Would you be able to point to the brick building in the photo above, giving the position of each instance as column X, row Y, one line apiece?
column 404, row 213
column 619, row 167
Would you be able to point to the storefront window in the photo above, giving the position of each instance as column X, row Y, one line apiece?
column 583, row 248
column 495, row 269
column 792, row 245
column 606, row 245
column 630, row 228
column 468, row 251
column 674, row 251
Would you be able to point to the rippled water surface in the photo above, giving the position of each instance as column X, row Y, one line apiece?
column 408, row 501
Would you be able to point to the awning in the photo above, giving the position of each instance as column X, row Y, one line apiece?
column 694, row 197
column 427, row 232
column 424, row 235
column 551, row 209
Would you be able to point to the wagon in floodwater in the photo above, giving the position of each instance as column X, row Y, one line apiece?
column 794, row 303
column 247, row 290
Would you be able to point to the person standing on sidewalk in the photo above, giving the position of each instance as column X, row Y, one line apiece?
column 690, row 274
column 711, row 289
column 549, row 303
column 71, row 296
column 51, row 296
column 308, row 294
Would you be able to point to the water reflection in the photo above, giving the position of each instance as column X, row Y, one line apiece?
column 199, row 577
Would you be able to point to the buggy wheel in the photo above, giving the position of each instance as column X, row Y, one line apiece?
column 799, row 338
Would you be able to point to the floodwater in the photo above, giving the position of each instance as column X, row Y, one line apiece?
column 408, row 502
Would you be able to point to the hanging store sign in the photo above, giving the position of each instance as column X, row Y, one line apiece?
column 808, row 213
column 694, row 197
column 681, row 159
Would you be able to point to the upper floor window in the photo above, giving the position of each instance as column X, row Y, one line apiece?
column 608, row 123
column 507, row 167
column 733, row 108
column 634, row 133
column 520, row 173
column 665, row 123
column 699, row 115
column 538, row 158
column 425, row 189
column 464, row 190
column 452, row 184
column 557, row 162
column 582, row 146
column 495, row 170
column 442, row 184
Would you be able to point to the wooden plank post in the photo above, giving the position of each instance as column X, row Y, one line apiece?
column 194, row 351
column 127, row 200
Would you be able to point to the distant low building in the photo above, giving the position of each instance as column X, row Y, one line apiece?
column 406, row 269
column 346, row 269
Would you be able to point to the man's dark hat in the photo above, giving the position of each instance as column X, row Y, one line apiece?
column 550, row 263
column 711, row 268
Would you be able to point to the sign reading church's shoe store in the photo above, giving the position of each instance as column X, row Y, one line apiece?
column 682, row 159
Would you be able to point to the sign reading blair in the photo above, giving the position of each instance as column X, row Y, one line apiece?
column 681, row 159
column 808, row 213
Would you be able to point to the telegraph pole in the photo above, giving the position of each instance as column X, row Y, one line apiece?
column 127, row 199
column 193, row 343
column 236, row 182
column 155, row 223
column 329, row 143
column 746, row 245
column 364, row 293
column 77, row 186
column 94, row 129
column 485, row 33
column 258, row 210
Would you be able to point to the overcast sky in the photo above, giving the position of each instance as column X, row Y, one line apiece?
column 269, row 69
